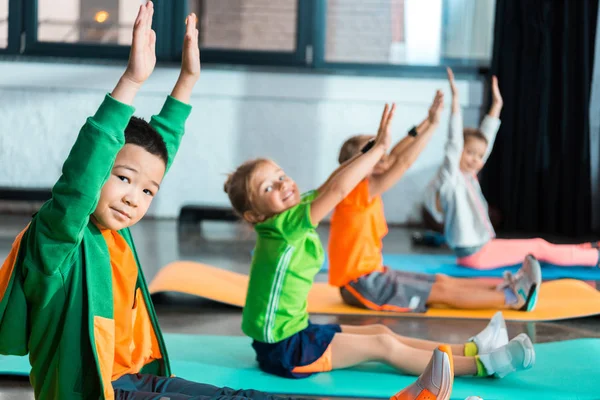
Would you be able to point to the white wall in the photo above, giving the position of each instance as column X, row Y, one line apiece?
column 300, row 120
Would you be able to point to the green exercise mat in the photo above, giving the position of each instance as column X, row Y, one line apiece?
column 564, row 370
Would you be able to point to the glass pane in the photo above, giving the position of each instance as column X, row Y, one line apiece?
column 410, row 32
column 263, row 25
column 87, row 21
column 3, row 24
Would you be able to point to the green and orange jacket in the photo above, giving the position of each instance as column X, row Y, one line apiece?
column 56, row 284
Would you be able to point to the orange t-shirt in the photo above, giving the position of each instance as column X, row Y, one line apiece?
column 135, row 341
column 355, row 237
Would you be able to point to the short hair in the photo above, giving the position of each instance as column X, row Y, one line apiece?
column 351, row 147
column 141, row 133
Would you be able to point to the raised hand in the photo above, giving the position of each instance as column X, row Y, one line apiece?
column 190, row 61
column 496, row 96
column 142, row 57
column 497, row 102
column 453, row 87
column 436, row 108
column 384, row 135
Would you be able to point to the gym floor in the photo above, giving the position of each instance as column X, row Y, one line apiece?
column 228, row 245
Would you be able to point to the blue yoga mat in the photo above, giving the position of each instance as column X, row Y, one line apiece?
column 563, row 370
column 446, row 264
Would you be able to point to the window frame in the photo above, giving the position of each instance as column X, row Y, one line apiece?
column 35, row 47
column 296, row 58
column 15, row 21
column 309, row 55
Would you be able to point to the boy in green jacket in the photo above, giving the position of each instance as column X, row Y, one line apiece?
column 72, row 293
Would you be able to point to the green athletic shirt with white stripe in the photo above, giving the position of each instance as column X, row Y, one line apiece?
column 287, row 257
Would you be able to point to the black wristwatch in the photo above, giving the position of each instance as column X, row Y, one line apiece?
column 368, row 146
column 413, row 131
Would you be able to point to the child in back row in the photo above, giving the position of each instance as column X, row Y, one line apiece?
column 454, row 199
column 289, row 254
column 358, row 227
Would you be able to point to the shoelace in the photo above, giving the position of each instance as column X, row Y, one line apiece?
column 509, row 279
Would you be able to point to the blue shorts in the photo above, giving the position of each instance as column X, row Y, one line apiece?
column 300, row 349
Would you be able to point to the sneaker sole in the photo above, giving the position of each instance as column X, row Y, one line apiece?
column 528, row 345
column 532, row 298
column 446, row 389
column 529, row 360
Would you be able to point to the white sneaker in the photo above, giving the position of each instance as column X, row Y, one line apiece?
column 517, row 355
column 473, row 398
column 435, row 383
column 493, row 336
column 526, row 286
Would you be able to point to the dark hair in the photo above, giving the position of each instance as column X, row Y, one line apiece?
column 472, row 133
column 237, row 186
column 351, row 147
column 140, row 133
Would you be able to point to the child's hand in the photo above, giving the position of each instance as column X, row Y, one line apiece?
column 435, row 111
column 453, row 87
column 142, row 57
column 496, row 96
column 384, row 136
column 190, row 61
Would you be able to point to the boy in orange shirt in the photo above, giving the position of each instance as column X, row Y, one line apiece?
column 355, row 244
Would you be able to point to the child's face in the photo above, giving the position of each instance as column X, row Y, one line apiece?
column 382, row 165
column 133, row 183
column 471, row 160
column 272, row 191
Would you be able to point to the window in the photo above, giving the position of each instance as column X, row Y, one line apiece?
column 259, row 32
column 86, row 21
column 409, row 32
column 260, row 25
column 3, row 24
column 366, row 36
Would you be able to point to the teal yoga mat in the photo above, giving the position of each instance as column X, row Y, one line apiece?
column 564, row 370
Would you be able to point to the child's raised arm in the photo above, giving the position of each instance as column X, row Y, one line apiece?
column 491, row 122
column 454, row 90
column 170, row 122
column 355, row 171
column 406, row 141
column 142, row 57
column 455, row 143
column 190, row 62
column 61, row 222
column 401, row 162
column 497, row 102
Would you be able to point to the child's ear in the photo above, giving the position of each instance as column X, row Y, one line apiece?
column 253, row 218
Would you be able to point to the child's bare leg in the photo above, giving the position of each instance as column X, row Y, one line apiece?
column 473, row 299
column 457, row 349
column 349, row 349
column 464, row 282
